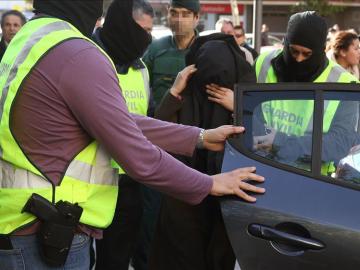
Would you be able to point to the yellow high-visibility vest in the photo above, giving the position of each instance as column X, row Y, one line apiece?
column 89, row 179
column 294, row 117
column 136, row 91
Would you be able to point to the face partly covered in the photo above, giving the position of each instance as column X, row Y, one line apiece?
column 182, row 21
column 227, row 28
column 300, row 53
column 304, row 47
column 239, row 36
column 145, row 21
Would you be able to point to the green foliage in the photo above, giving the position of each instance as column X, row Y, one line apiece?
column 322, row 7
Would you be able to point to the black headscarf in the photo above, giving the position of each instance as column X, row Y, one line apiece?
column 124, row 39
column 309, row 30
column 219, row 60
column 81, row 14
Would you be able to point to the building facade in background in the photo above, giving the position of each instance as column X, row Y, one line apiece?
column 276, row 13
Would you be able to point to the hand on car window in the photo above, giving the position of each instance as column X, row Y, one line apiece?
column 236, row 183
column 214, row 139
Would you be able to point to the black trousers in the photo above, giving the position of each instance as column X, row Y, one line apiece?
column 151, row 203
column 117, row 247
column 191, row 237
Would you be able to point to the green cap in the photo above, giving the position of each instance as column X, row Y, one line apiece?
column 193, row 5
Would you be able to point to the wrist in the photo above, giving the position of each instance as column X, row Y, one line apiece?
column 200, row 141
column 214, row 191
column 173, row 91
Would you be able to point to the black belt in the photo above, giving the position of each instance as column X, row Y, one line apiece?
column 5, row 242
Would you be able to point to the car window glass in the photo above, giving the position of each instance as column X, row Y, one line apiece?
column 278, row 126
column 282, row 131
column 341, row 137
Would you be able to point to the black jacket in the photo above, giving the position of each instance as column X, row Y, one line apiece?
column 2, row 48
column 219, row 60
column 253, row 52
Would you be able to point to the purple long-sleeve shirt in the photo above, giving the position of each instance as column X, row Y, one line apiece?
column 72, row 96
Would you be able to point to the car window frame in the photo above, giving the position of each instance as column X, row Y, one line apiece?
column 318, row 89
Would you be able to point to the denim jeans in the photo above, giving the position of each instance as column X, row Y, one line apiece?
column 25, row 255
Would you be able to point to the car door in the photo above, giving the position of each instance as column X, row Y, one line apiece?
column 309, row 217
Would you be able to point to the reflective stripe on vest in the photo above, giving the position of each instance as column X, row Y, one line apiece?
column 88, row 180
column 294, row 117
column 136, row 91
column 263, row 67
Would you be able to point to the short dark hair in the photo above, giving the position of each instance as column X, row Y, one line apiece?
column 239, row 27
column 142, row 7
column 15, row 13
column 342, row 41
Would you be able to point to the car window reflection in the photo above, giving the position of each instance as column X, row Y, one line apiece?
column 342, row 142
column 282, row 131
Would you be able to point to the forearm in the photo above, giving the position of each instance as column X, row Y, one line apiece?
column 336, row 142
column 291, row 148
column 174, row 178
column 154, row 167
column 173, row 138
column 149, row 164
column 341, row 136
column 335, row 145
column 168, row 108
column 101, row 112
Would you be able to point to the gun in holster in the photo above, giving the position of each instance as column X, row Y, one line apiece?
column 57, row 229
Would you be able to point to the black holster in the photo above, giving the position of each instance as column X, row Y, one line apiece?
column 58, row 227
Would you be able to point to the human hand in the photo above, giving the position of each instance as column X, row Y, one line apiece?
column 221, row 95
column 235, row 183
column 265, row 142
column 214, row 139
column 181, row 80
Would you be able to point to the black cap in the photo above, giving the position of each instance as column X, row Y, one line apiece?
column 193, row 5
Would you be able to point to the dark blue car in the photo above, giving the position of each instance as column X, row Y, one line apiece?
column 305, row 140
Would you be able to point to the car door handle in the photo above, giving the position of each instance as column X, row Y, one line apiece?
column 271, row 234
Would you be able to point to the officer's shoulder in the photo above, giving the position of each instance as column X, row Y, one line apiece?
column 346, row 76
column 161, row 43
column 274, row 52
column 77, row 48
column 261, row 57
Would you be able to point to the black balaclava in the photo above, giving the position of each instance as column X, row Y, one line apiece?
column 81, row 14
column 124, row 39
column 219, row 60
column 309, row 30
